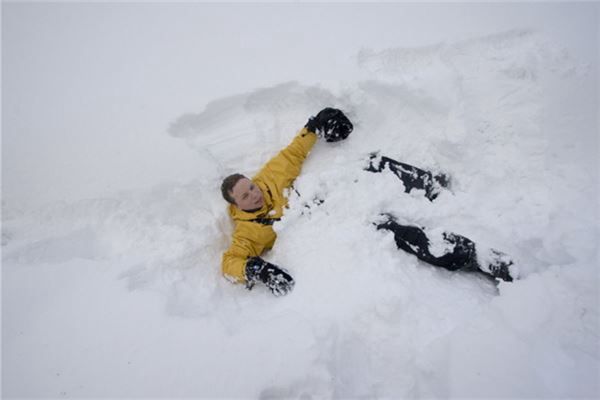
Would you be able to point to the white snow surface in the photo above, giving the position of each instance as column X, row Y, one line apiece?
column 122, row 295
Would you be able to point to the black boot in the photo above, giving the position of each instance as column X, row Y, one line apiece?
column 496, row 264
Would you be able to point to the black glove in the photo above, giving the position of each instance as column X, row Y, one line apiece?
column 276, row 279
column 331, row 124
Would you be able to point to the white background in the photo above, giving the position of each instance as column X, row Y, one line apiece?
column 87, row 83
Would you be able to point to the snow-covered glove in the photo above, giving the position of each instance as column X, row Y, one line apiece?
column 278, row 280
column 331, row 124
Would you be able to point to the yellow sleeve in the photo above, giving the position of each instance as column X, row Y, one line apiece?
column 234, row 267
column 234, row 261
column 282, row 169
column 242, row 246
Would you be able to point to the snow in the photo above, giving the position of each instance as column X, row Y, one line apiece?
column 117, row 293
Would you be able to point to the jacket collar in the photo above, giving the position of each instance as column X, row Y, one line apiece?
column 240, row 215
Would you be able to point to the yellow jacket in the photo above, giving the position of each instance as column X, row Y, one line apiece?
column 253, row 233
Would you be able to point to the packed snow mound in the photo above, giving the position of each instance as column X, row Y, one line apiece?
column 364, row 320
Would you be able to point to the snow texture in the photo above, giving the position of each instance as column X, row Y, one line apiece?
column 122, row 296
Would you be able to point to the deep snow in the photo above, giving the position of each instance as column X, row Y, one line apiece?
column 122, row 296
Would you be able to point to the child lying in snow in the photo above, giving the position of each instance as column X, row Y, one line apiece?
column 255, row 204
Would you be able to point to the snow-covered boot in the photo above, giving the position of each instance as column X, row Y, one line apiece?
column 496, row 264
column 443, row 180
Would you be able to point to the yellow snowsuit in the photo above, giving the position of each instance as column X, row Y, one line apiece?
column 253, row 232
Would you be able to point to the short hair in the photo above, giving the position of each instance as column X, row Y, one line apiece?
column 227, row 186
